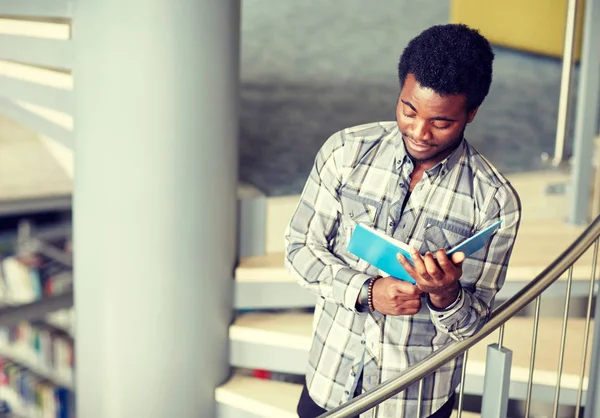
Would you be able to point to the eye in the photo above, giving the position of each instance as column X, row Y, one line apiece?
column 442, row 127
column 412, row 115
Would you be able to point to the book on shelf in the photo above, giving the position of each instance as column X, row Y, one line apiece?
column 25, row 278
column 25, row 394
column 381, row 250
column 36, row 357
column 46, row 352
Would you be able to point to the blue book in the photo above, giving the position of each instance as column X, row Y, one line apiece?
column 380, row 250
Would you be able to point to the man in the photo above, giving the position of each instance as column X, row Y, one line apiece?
column 418, row 180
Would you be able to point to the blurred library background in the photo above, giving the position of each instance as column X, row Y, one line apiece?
column 161, row 149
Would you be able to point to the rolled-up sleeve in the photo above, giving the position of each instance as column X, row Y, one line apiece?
column 483, row 273
column 314, row 223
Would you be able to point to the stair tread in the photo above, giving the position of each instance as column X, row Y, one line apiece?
column 264, row 268
column 288, row 329
column 265, row 398
column 268, row 398
column 293, row 330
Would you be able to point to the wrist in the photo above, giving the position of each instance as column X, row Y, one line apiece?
column 362, row 303
column 446, row 297
column 371, row 285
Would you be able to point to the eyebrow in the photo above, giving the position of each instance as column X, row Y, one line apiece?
column 441, row 118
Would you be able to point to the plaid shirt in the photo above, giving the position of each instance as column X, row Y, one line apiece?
column 362, row 175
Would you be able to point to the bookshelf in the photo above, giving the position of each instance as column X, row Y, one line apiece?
column 36, row 322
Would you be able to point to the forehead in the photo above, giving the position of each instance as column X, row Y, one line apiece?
column 425, row 99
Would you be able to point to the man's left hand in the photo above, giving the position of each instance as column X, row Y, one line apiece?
column 437, row 276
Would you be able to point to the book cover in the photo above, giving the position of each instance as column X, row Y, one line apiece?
column 380, row 250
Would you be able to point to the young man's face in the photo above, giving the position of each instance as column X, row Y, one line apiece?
column 431, row 125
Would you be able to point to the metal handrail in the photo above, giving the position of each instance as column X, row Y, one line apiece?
column 503, row 313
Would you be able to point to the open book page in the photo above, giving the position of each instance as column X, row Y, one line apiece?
column 381, row 250
column 401, row 245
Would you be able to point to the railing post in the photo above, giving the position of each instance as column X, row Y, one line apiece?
column 496, row 383
column 586, row 120
column 593, row 390
column 566, row 82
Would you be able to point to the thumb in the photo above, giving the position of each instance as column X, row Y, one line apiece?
column 458, row 257
column 407, row 288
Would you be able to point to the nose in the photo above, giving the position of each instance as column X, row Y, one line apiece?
column 420, row 130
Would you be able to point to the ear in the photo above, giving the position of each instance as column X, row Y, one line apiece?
column 472, row 114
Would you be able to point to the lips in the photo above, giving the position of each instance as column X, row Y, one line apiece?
column 419, row 146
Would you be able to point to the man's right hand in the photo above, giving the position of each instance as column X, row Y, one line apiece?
column 396, row 297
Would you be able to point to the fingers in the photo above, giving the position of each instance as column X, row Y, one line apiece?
column 406, row 288
column 458, row 258
column 413, row 304
column 406, row 264
column 432, row 268
column 403, row 306
column 419, row 263
column 450, row 267
column 396, row 297
column 409, row 307
column 432, row 274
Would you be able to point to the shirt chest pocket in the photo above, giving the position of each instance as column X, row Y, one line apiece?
column 355, row 210
column 443, row 235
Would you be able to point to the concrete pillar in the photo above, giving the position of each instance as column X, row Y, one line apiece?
column 156, row 125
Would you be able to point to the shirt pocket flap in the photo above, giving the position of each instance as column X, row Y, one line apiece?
column 357, row 209
column 443, row 235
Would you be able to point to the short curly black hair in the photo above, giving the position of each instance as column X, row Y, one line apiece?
column 450, row 59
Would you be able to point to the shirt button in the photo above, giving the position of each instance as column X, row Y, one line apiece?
column 363, row 342
column 391, row 224
column 353, row 374
column 347, row 393
column 351, row 214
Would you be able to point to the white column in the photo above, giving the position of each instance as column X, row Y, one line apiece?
column 156, row 125
column 586, row 119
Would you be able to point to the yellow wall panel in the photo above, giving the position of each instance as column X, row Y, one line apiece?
column 536, row 26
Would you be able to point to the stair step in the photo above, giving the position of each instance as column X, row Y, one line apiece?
column 266, row 398
column 287, row 329
column 261, row 398
column 262, row 282
column 277, row 342
column 280, row 342
column 266, row 268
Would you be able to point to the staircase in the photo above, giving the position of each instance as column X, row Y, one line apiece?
column 272, row 328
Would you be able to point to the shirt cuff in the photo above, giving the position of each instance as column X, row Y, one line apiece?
column 448, row 318
column 352, row 283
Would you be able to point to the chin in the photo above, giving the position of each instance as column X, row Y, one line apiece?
column 421, row 156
